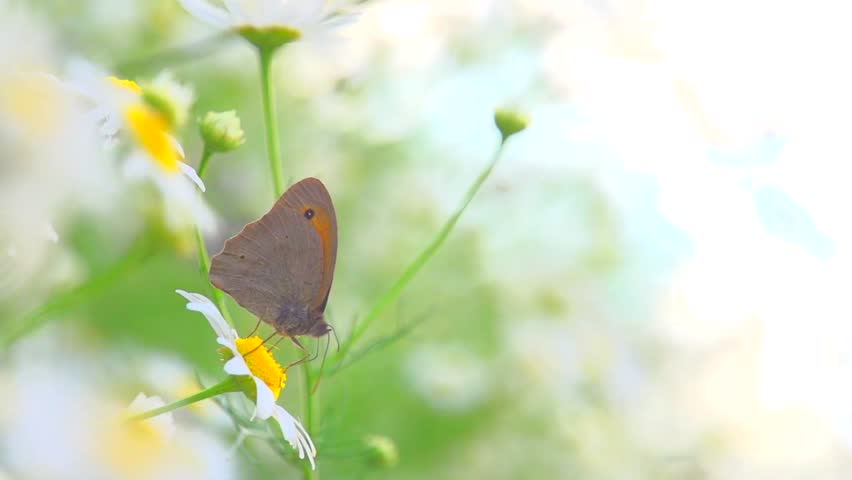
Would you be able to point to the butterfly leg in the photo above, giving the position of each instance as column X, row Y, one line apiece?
column 254, row 330
column 261, row 344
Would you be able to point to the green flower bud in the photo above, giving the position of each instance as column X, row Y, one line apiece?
column 381, row 451
column 510, row 122
column 221, row 131
column 269, row 38
column 168, row 97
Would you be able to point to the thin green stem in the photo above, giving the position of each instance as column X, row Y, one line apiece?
column 141, row 249
column 311, row 420
column 271, row 119
column 205, row 159
column 204, row 267
column 397, row 288
column 203, row 256
column 227, row 385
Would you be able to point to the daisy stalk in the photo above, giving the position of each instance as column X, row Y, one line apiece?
column 270, row 118
column 228, row 385
column 508, row 122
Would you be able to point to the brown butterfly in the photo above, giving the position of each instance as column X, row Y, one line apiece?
column 280, row 267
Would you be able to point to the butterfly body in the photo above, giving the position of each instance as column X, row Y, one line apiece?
column 281, row 266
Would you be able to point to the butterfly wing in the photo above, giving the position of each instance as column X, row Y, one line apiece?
column 310, row 195
column 280, row 266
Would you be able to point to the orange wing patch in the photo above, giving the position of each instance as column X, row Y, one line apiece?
column 323, row 224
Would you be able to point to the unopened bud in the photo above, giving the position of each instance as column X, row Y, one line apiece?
column 510, row 122
column 381, row 451
column 221, row 131
column 168, row 97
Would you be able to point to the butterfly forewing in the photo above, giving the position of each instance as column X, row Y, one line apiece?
column 284, row 261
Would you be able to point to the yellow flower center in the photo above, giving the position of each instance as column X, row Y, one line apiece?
column 128, row 85
column 262, row 364
column 150, row 129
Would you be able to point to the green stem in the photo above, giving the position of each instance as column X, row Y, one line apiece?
column 311, row 419
column 204, row 267
column 203, row 256
column 133, row 257
column 271, row 119
column 227, row 385
column 205, row 159
column 397, row 288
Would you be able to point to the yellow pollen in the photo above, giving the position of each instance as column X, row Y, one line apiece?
column 128, row 85
column 151, row 131
column 262, row 364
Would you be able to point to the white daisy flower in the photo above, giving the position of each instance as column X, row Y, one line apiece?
column 51, row 164
column 251, row 358
column 298, row 18
column 87, row 434
column 146, row 117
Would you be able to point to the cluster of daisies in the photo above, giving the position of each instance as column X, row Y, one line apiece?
column 138, row 121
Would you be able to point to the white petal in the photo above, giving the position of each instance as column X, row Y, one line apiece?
column 137, row 166
column 177, row 146
column 237, row 366
column 163, row 422
column 51, row 233
column 303, row 13
column 190, row 172
column 265, row 400
column 202, row 10
column 203, row 215
column 295, row 434
column 238, row 16
column 200, row 303
column 111, row 123
column 85, row 79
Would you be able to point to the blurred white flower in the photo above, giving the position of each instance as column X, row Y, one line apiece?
column 545, row 355
column 51, row 165
column 448, row 377
column 170, row 377
column 164, row 423
column 251, row 358
column 57, row 423
column 302, row 18
column 147, row 116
